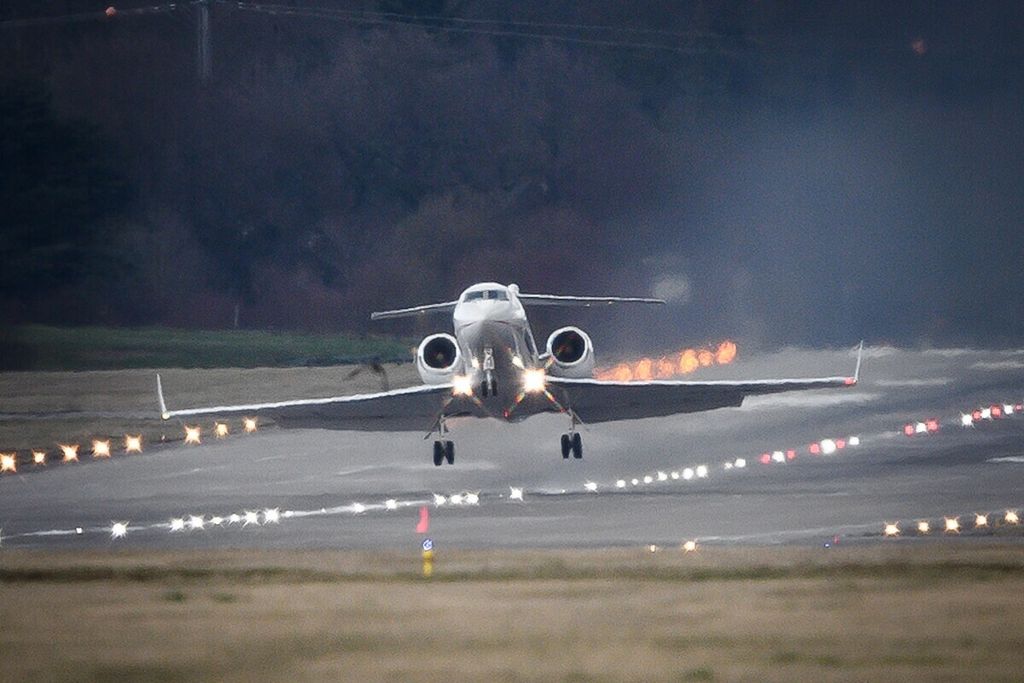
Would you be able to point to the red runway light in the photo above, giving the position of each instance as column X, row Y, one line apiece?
column 840, row 444
column 932, row 425
column 976, row 415
column 815, row 448
column 908, row 430
column 765, row 458
column 997, row 411
column 790, row 454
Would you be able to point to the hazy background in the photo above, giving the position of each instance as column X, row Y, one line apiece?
column 786, row 173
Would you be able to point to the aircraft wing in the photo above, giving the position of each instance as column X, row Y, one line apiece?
column 409, row 409
column 595, row 400
column 584, row 301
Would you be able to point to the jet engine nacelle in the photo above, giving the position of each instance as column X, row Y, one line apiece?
column 571, row 352
column 438, row 358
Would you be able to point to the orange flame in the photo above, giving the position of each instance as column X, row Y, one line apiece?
column 680, row 363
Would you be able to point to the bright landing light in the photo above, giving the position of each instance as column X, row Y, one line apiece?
column 39, row 457
column 923, row 527
column 132, row 444
column 690, row 546
column 892, row 529
column 70, row 453
column 8, row 463
column 462, row 385
column 534, row 381
column 220, row 429
column 952, row 525
column 119, row 529
column 250, row 425
column 590, row 486
column 515, row 493
column 101, row 449
column 1011, row 517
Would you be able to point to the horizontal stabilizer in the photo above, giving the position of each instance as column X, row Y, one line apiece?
column 446, row 307
column 585, row 301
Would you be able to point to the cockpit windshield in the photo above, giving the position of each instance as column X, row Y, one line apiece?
column 492, row 294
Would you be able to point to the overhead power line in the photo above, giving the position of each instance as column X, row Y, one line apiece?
column 414, row 21
column 108, row 14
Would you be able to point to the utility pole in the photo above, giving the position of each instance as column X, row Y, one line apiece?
column 203, row 50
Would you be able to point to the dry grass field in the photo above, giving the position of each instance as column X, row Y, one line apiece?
column 875, row 612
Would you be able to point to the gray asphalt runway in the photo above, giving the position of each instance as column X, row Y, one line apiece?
column 364, row 490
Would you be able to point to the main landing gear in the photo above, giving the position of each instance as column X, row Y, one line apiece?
column 444, row 451
column 572, row 443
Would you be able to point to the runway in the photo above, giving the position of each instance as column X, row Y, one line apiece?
column 323, row 489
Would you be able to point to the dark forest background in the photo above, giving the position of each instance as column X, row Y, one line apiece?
column 782, row 172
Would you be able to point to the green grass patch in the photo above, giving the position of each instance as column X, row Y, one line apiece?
column 41, row 347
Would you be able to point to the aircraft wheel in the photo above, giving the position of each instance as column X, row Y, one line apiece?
column 449, row 452
column 577, row 446
column 566, row 445
column 438, row 453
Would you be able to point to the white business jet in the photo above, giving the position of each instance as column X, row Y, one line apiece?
column 492, row 367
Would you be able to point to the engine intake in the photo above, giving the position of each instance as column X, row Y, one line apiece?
column 438, row 358
column 571, row 352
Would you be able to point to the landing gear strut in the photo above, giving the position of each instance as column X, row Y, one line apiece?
column 444, row 450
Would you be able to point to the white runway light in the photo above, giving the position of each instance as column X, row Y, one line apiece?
column 101, row 449
column 634, row 481
column 390, row 504
column 220, row 429
column 515, row 493
column 177, row 524
column 740, row 463
column 648, row 479
column 39, row 457
column 779, row 456
column 69, row 452
column 119, row 530
column 853, row 441
column 132, row 444
column 196, row 522
column 250, row 517
column 1011, row 517
column 193, row 435
column 892, row 529
column 272, row 515
column 923, row 527
column 439, row 500
column 828, row 446
column 8, row 463
column 216, row 521
column 358, row 508
column 455, row 499
column 234, row 518
column 472, row 498
column 688, row 473
column 675, row 474
column 920, row 428
column 702, row 471
column 980, row 521
column 966, row 420
column 986, row 413
column 620, row 484
column 590, row 486
column 249, row 424
column 690, row 546
column 662, row 476
column 952, row 525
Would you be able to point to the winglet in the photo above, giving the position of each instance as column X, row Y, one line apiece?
column 856, row 371
column 164, row 415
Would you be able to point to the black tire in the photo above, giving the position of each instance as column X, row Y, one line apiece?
column 449, row 452
column 577, row 446
column 438, row 453
column 566, row 445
